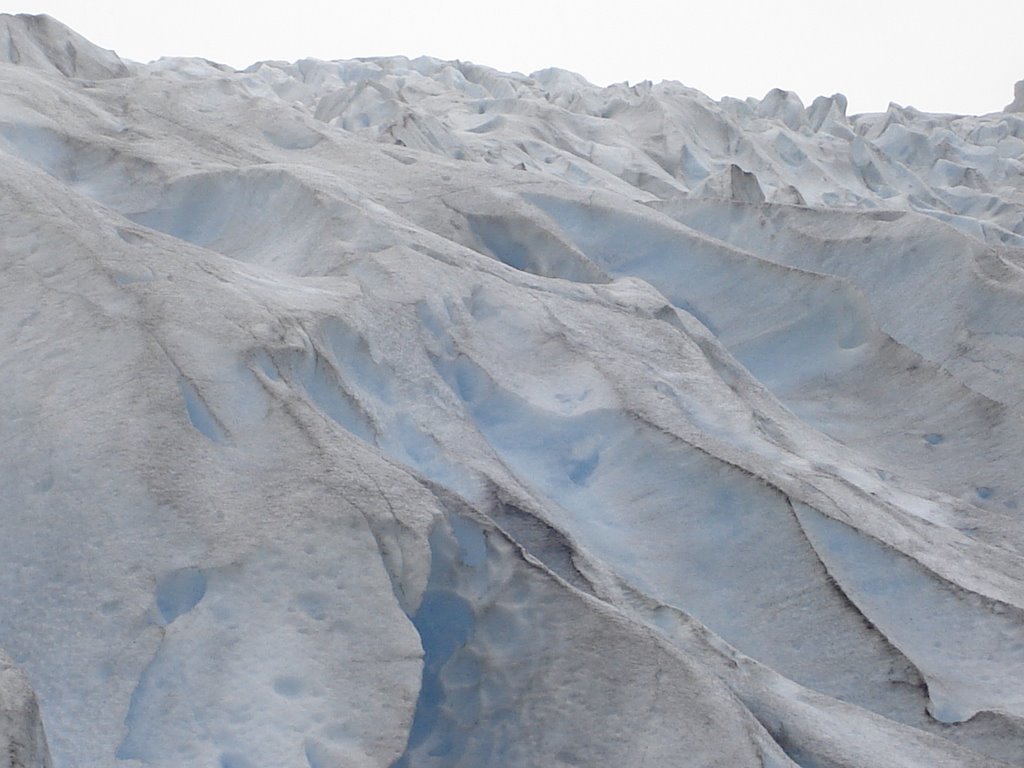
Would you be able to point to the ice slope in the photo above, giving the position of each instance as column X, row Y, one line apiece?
column 408, row 413
column 42, row 43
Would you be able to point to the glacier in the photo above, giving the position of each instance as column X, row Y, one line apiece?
column 389, row 413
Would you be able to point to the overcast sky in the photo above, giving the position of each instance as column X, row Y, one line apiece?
column 940, row 55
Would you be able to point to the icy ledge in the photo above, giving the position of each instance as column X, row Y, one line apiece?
column 22, row 740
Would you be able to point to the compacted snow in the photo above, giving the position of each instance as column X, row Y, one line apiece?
column 393, row 413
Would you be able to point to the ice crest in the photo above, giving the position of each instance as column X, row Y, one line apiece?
column 1017, row 105
column 43, row 43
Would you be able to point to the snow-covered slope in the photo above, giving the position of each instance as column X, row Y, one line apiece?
column 408, row 413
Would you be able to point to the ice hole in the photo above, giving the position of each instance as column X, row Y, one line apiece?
column 180, row 592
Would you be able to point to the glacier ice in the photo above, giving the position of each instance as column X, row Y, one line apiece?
column 21, row 727
column 402, row 412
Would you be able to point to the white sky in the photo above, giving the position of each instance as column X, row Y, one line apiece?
column 937, row 55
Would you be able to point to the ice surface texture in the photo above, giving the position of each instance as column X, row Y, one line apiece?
column 393, row 413
column 22, row 741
